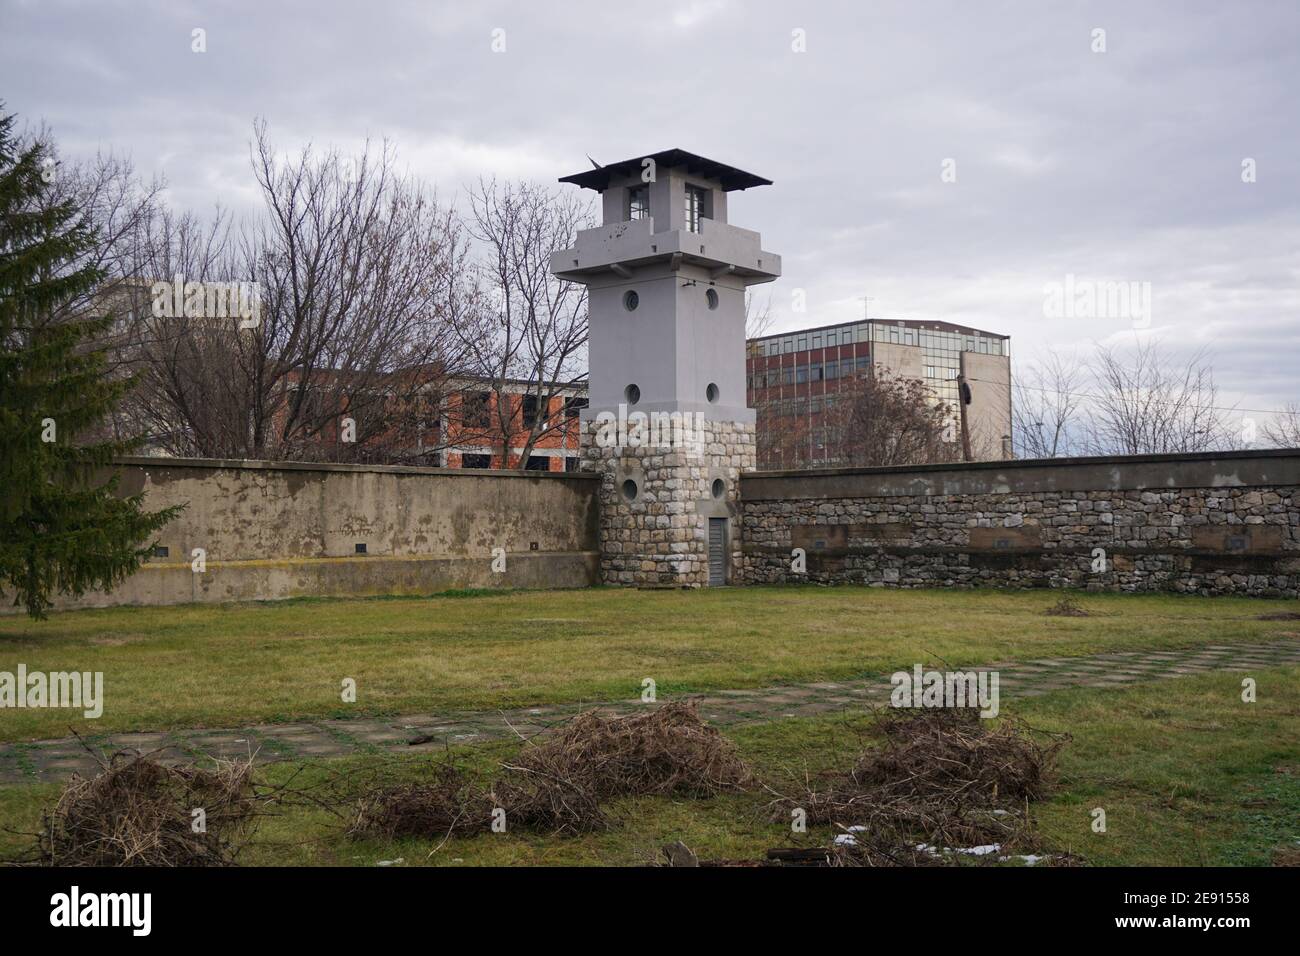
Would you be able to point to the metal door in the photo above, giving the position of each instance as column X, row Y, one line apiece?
column 717, row 552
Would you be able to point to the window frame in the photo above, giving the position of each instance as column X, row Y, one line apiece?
column 633, row 194
column 695, row 212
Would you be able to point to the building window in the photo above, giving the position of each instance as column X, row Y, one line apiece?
column 538, row 463
column 694, row 207
column 476, row 409
column 572, row 463
column 573, row 406
column 476, row 461
column 530, row 405
column 638, row 202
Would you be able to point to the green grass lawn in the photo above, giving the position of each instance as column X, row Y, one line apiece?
column 231, row 665
column 1187, row 773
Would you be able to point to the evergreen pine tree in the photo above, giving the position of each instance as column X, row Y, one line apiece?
column 63, row 527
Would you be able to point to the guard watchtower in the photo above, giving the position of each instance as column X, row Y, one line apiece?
column 667, row 423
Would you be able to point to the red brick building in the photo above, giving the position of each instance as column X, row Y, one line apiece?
column 476, row 423
column 473, row 434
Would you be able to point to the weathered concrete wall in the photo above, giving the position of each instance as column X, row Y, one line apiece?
column 989, row 413
column 281, row 529
column 1223, row 524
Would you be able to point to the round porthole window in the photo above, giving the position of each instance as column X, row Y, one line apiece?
column 719, row 488
column 632, row 394
column 629, row 490
column 711, row 297
column 631, row 300
column 712, row 393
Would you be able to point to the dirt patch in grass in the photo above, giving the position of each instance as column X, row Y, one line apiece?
column 1279, row 616
column 1066, row 607
column 1286, row 856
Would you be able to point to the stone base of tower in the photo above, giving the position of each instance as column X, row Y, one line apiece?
column 656, row 503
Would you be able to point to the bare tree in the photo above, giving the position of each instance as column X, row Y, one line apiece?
column 191, row 383
column 758, row 315
column 875, row 418
column 359, row 273
column 1284, row 430
column 1145, row 402
column 884, row 419
column 528, row 336
column 1048, row 413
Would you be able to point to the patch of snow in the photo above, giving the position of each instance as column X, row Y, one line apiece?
column 968, row 850
column 846, row 839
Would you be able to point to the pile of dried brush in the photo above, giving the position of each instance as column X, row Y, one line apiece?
column 139, row 812
column 668, row 750
column 953, row 753
column 450, row 801
column 559, row 784
column 940, row 780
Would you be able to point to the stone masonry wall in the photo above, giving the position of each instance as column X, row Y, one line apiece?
column 1228, row 524
column 659, row 537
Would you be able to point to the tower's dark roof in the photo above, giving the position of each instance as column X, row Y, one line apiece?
column 730, row 177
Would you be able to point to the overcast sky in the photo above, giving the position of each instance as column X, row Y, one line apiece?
column 1122, row 165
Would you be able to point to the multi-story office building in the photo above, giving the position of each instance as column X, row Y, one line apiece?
column 798, row 375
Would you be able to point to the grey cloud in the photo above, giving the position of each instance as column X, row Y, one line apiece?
column 1122, row 165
